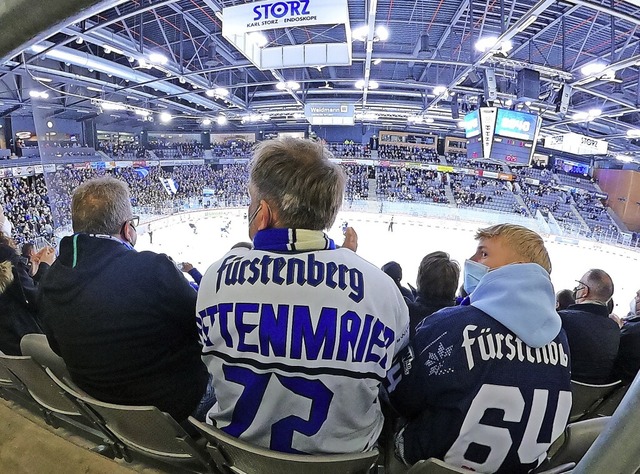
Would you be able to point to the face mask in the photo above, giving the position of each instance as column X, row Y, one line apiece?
column 473, row 272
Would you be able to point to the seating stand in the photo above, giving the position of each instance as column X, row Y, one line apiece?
column 234, row 455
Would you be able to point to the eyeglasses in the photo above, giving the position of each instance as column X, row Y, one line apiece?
column 133, row 222
column 583, row 284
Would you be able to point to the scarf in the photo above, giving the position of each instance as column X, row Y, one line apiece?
column 292, row 240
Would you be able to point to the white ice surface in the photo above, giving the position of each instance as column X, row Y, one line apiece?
column 411, row 240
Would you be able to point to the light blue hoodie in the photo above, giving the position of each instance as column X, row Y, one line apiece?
column 521, row 297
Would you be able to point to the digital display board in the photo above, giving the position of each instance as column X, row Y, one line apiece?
column 474, row 148
column 504, row 135
column 512, row 152
column 518, row 125
column 471, row 124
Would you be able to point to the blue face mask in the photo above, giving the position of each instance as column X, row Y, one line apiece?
column 473, row 272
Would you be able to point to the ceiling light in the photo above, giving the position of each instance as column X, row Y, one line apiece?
column 428, row 120
column 415, row 118
column 593, row 68
column 107, row 50
column 258, row 39
column 580, row 116
column 281, row 86
column 131, row 59
column 79, row 40
column 38, row 94
column 221, row 92
column 460, row 123
column 42, row 79
column 157, row 58
column 221, row 120
column 486, row 43
column 373, row 85
column 633, row 133
column 382, row 33
column 360, row 84
column 377, row 61
column 142, row 112
column 94, row 89
column 165, row 117
column 527, row 103
column 206, row 122
column 439, row 90
column 266, row 117
column 112, row 105
column 625, row 158
column 595, row 112
column 210, row 93
column 49, row 124
column 360, row 33
column 508, row 102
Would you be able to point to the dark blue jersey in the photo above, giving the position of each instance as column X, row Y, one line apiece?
column 477, row 396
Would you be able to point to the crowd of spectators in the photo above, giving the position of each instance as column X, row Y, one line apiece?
column 49, row 198
column 407, row 153
column 26, row 204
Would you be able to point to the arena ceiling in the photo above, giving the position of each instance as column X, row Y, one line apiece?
column 82, row 52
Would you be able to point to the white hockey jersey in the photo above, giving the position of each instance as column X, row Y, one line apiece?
column 298, row 344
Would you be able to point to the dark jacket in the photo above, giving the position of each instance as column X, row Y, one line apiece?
column 18, row 302
column 422, row 307
column 628, row 360
column 594, row 339
column 124, row 322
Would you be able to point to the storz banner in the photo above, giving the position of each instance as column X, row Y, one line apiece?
column 488, row 124
column 268, row 15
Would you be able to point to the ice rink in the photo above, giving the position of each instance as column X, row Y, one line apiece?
column 411, row 239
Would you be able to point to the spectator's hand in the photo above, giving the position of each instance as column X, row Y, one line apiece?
column 350, row 239
column 617, row 319
column 47, row 255
column 186, row 267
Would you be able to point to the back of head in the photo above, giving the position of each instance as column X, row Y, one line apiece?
column 27, row 249
column 394, row 270
column 564, row 299
column 296, row 177
column 600, row 285
column 438, row 276
column 100, row 206
column 527, row 244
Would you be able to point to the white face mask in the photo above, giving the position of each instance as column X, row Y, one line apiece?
column 6, row 227
column 473, row 273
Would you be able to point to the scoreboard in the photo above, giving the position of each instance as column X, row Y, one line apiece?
column 503, row 135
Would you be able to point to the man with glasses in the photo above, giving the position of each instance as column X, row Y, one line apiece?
column 122, row 320
column 593, row 336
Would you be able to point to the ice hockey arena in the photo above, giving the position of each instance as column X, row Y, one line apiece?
column 320, row 236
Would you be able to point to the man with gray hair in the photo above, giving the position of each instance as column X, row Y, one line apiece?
column 593, row 336
column 122, row 320
column 297, row 333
